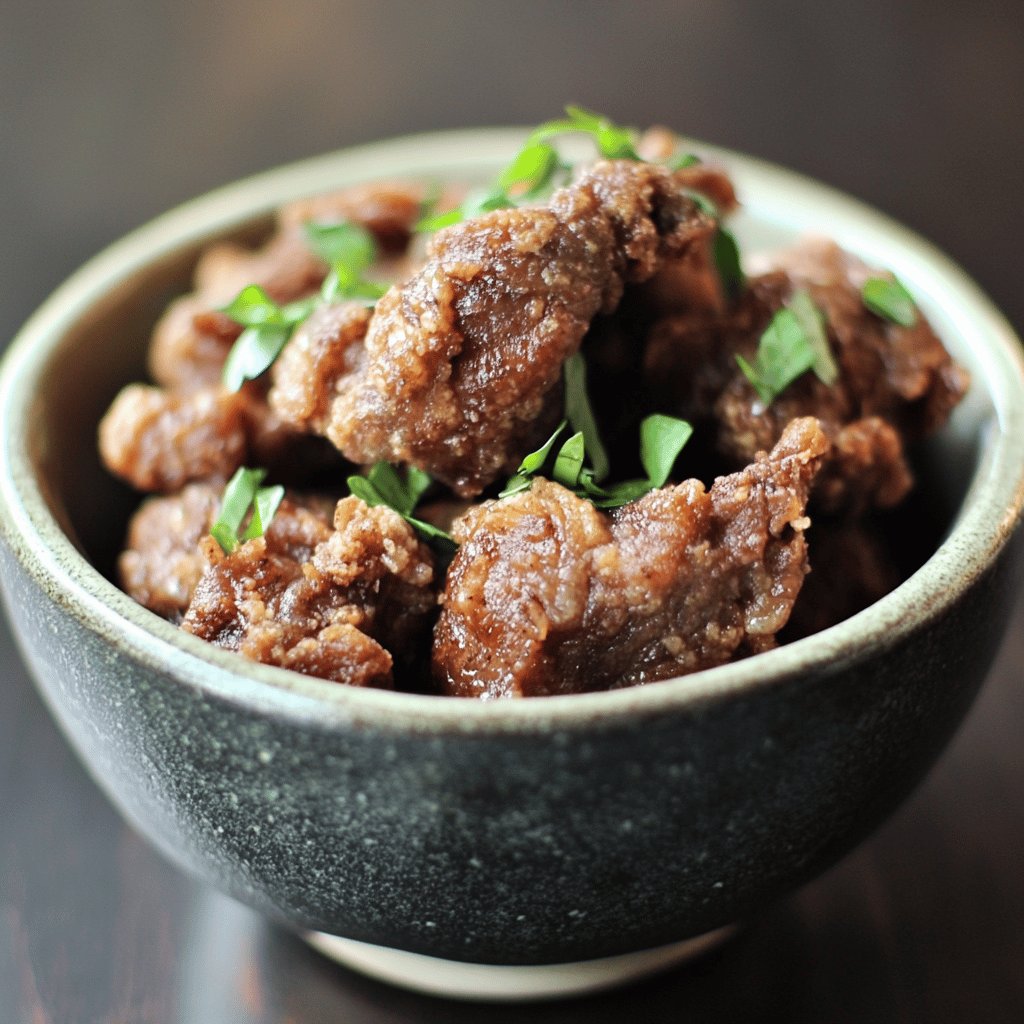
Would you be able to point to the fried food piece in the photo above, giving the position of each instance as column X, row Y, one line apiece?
column 896, row 384
column 549, row 595
column 346, row 608
column 192, row 340
column 460, row 360
column 159, row 440
column 163, row 561
column 326, row 347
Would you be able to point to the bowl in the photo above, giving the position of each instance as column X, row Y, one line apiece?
column 480, row 848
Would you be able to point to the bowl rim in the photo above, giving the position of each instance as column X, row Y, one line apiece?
column 990, row 512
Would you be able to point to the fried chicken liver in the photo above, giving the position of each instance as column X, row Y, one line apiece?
column 461, row 359
column 548, row 595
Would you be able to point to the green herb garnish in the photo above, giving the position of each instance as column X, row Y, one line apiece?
column 793, row 343
column 243, row 493
column 888, row 298
column 682, row 161
column 531, row 464
column 349, row 250
column 613, row 141
column 726, row 254
column 662, row 438
column 537, row 167
column 581, row 416
column 267, row 327
column 724, row 250
column 384, row 485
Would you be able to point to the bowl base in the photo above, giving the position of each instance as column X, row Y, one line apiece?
column 508, row 983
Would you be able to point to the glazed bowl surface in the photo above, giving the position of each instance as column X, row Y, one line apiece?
column 521, row 832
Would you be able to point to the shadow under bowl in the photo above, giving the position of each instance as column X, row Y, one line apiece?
column 530, row 832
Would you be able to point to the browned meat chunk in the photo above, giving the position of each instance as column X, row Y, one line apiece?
column 161, row 440
column 162, row 563
column 345, row 608
column 896, row 384
column 192, row 340
column 460, row 360
column 547, row 595
column 324, row 348
column 163, row 560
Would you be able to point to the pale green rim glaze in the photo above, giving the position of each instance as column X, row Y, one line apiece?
column 991, row 511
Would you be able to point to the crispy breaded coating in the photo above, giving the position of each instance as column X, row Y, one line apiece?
column 361, row 599
column 548, row 595
column 160, row 440
column 461, row 358
column 163, row 560
column 896, row 384
column 326, row 347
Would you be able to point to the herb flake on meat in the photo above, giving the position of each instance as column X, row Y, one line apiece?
column 889, row 299
column 384, row 485
column 662, row 439
column 349, row 250
column 793, row 343
column 267, row 327
column 243, row 493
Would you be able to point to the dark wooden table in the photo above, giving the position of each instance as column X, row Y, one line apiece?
column 111, row 113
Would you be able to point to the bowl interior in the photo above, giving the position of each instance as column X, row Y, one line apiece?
column 91, row 338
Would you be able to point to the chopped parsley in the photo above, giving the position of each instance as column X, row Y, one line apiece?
column 537, row 168
column 888, row 298
column 349, row 250
column 794, row 342
column 243, row 493
column 662, row 438
column 267, row 327
column 384, row 485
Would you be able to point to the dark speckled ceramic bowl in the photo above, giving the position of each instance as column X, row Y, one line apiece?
column 517, row 833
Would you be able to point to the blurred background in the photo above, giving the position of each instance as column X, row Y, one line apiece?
column 112, row 112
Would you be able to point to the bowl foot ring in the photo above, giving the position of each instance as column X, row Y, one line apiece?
column 456, row 980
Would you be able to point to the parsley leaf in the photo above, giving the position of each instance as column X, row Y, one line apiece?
column 242, row 493
column 532, row 169
column 613, row 141
column 384, row 485
column 726, row 254
column 536, row 168
column 662, row 438
column 531, row 464
column 568, row 466
column 793, row 343
column 812, row 320
column 267, row 327
column 889, row 299
column 581, row 416
column 683, row 160
column 349, row 250
column 724, row 250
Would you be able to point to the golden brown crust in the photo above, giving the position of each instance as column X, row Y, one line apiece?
column 345, row 609
column 548, row 595
column 461, row 358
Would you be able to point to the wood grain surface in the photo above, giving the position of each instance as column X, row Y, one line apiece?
column 113, row 112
